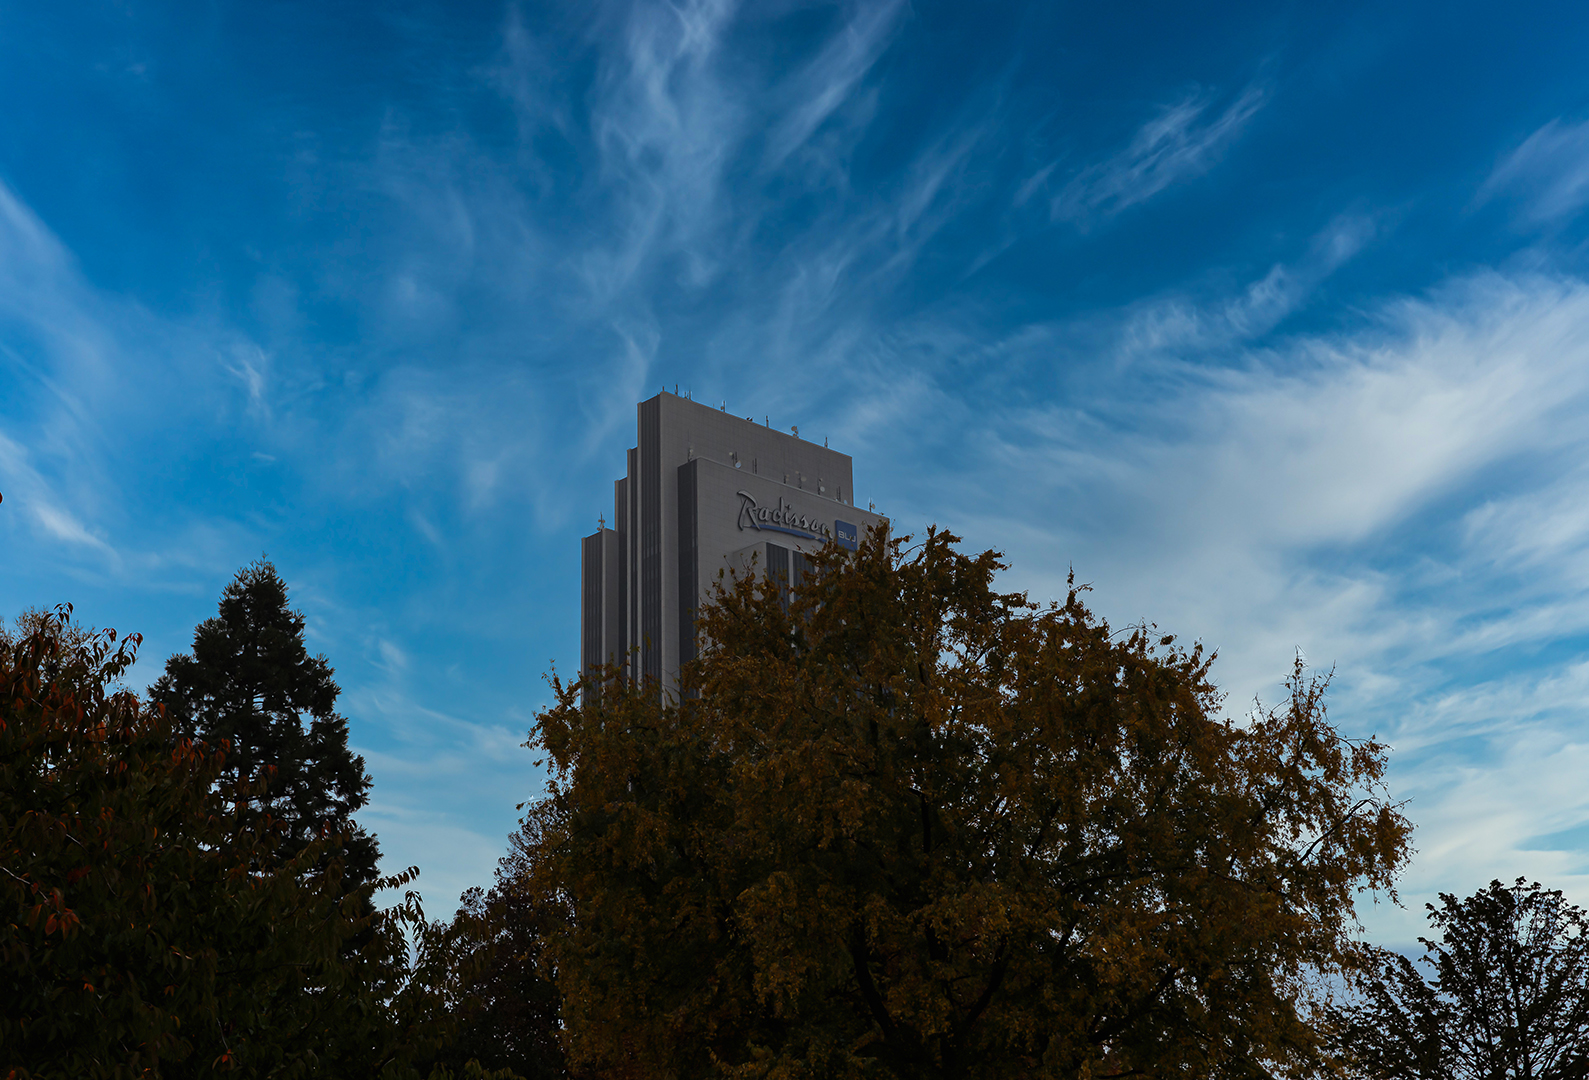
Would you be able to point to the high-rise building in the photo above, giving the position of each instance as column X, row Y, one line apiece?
column 704, row 491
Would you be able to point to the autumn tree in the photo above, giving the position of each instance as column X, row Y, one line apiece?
column 1503, row 994
column 149, row 924
column 915, row 827
column 251, row 683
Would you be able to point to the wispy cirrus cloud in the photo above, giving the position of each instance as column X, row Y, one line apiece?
column 671, row 118
column 1183, row 141
column 31, row 493
column 1548, row 174
column 666, row 124
column 1181, row 327
column 433, row 771
column 696, row 150
column 1333, row 442
column 65, row 373
column 815, row 92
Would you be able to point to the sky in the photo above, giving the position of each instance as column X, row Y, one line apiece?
column 1270, row 320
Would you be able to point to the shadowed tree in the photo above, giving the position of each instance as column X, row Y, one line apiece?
column 251, row 682
column 912, row 827
column 507, row 1007
column 1506, row 997
column 150, row 924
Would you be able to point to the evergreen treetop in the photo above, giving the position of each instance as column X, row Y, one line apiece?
column 251, row 682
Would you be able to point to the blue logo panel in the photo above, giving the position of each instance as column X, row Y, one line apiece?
column 846, row 534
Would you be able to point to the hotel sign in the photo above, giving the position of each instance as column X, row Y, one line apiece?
column 784, row 518
column 781, row 518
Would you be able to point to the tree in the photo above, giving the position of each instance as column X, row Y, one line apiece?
column 149, row 925
column 506, row 1006
column 69, row 639
column 1508, row 998
column 913, row 827
column 251, row 683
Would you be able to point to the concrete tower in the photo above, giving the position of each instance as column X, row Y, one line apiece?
column 704, row 491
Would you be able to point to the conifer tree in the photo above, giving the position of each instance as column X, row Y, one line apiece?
column 251, row 682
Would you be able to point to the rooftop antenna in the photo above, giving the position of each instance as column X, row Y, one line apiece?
column 767, row 420
column 601, row 522
column 824, row 442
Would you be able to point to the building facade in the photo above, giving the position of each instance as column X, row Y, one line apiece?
column 704, row 491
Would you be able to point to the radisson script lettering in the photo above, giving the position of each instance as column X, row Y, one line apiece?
column 781, row 518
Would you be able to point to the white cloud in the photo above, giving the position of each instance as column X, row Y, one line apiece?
column 249, row 365
column 665, row 123
column 95, row 384
column 1539, row 530
column 1492, row 771
column 445, row 787
column 28, row 244
column 29, row 492
column 1175, row 145
column 1252, row 473
column 819, row 89
column 394, row 661
column 524, row 75
column 1548, row 173
column 1180, row 326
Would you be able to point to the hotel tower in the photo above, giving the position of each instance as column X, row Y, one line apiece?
column 704, row 491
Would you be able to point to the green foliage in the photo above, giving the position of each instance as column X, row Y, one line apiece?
column 912, row 827
column 251, row 682
column 1508, row 998
column 150, row 926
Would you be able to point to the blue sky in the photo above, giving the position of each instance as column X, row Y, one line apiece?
column 1271, row 320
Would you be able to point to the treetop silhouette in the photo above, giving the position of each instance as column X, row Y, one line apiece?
column 251, row 682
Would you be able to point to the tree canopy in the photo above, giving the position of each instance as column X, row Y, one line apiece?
column 1506, row 996
column 150, row 926
column 251, row 682
column 909, row 826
